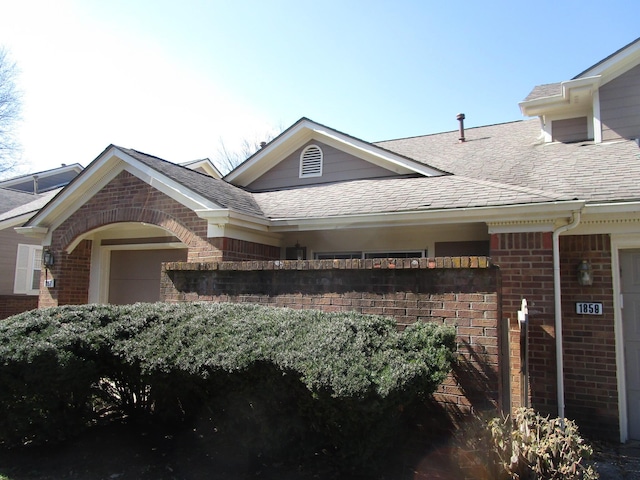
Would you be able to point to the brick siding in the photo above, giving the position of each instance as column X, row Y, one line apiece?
column 14, row 304
column 526, row 269
column 128, row 199
column 526, row 265
column 591, row 393
column 456, row 291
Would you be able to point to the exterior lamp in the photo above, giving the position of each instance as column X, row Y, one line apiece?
column 47, row 258
column 585, row 273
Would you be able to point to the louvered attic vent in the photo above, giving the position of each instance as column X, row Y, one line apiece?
column 311, row 162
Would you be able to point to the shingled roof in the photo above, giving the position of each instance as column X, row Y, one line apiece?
column 543, row 91
column 387, row 195
column 10, row 199
column 498, row 165
column 218, row 191
column 513, row 154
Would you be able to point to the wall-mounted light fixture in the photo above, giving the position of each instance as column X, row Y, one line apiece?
column 47, row 258
column 585, row 273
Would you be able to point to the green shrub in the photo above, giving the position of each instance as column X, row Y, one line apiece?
column 46, row 376
column 529, row 446
column 292, row 377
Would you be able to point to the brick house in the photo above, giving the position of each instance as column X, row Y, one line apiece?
column 458, row 227
column 20, row 198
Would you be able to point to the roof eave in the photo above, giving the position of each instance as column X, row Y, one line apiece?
column 565, row 100
column 542, row 213
column 108, row 164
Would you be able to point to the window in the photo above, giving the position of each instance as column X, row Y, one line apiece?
column 338, row 255
column 311, row 162
column 417, row 254
column 365, row 255
column 28, row 266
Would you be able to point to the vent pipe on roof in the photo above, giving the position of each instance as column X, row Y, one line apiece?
column 460, row 118
column 263, row 144
column 35, row 184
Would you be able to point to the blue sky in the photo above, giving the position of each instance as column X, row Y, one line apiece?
column 175, row 79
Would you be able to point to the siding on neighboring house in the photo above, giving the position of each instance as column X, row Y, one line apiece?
column 9, row 241
column 570, row 130
column 620, row 106
column 337, row 166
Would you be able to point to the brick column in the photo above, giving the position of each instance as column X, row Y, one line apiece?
column 71, row 274
column 526, row 267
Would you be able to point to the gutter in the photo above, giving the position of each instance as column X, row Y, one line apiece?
column 575, row 220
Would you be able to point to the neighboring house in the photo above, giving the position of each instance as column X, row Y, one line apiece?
column 20, row 257
column 554, row 202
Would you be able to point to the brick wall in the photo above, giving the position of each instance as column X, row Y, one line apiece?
column 526, row 267
column 128, row 199
column 457, row 291
column 13, row 304
column 71, row 273
column 591, row 393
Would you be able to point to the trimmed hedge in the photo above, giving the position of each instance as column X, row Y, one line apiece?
column 334, row 381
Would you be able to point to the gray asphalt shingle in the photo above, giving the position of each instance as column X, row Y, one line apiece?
column 498, row 165
column 218, row 191
column 514, row 154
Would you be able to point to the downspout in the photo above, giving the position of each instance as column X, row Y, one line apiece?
column 557, row 295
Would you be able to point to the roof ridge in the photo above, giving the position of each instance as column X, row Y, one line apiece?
column 448, row 131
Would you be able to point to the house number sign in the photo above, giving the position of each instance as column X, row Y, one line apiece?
column 589, row 308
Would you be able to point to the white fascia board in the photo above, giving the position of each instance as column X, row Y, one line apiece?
column 78, row 189
column 16, row 221
column 618, row 64
column 612, row 207
column 33, row 232
column 206, row 164
column 268, row 156
column 376, row 155
column 562, row 101
column 100, row 173
column 541, row 215
column 225, row 216
column 289, row 142
column 168, row 186
column 228, row 223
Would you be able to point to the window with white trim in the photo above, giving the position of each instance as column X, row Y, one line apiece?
column 28, row 267
column 311, row 162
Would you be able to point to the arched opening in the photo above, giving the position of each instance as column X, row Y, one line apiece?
column 126, row 261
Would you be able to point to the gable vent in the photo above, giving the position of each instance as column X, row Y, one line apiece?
column 311, row 162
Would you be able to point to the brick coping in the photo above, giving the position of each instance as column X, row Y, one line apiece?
column 342, row 264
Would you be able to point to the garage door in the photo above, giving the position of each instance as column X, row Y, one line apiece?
column 630, row 268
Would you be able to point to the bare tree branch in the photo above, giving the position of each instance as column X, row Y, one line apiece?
column 227, row 159
column 10, row 107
